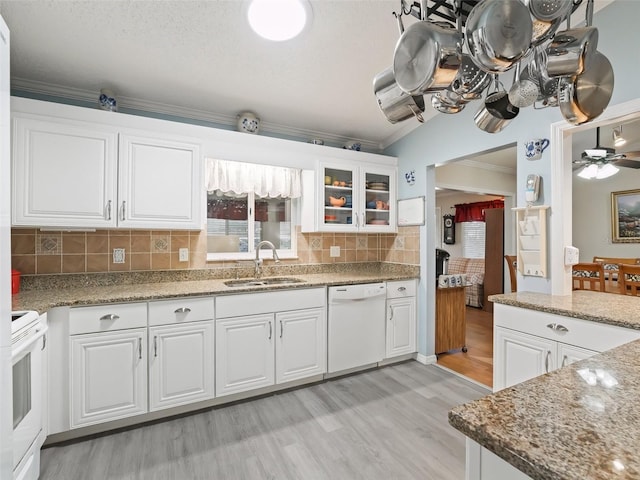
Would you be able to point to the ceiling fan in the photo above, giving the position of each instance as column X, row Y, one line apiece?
column 600, row 155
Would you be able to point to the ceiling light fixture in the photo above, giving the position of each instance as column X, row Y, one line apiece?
column 598, row 171
column 278, row 20
column 618, row 139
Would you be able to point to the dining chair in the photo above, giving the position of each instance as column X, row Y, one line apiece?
column 629, row 279
column 611, row 270
column 588, row 276
column 513, row 267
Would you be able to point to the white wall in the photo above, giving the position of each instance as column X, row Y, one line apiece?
column 592, row 215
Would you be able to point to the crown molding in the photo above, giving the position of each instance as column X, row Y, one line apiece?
column 32, row 87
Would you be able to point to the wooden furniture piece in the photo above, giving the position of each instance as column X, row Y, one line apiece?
column 588, row 276
column 450, row 319
column 611, row 264
column 493, row 254
column 512, row 264
column 629, row 279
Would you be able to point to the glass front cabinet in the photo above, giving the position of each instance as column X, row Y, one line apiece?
column 352, row 198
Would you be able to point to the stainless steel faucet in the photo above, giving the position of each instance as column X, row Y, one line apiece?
column 258, row 261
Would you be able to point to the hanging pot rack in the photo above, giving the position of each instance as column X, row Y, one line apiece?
column 455, row 13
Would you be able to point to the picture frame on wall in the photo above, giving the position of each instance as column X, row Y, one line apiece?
column 625, row 216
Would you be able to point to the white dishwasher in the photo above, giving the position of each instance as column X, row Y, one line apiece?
column 356, row 325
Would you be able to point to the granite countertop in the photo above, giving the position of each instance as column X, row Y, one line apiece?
column 579, row 422
column 610, row 308
column 42, row 300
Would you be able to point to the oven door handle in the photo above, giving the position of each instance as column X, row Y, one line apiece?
column 27, row 345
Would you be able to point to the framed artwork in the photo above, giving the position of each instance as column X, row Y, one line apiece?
column 625, row 216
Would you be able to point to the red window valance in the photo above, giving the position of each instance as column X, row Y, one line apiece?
column 474, row 212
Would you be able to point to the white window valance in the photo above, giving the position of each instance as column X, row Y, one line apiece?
column 263, row 180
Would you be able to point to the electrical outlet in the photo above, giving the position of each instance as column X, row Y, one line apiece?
column 118, row 255
column 183, row 254
column 334, row 251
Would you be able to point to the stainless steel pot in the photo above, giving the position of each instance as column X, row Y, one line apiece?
column 427, row 57
column 396, row 104
column 488, row 122
column 585, row 97
column 498, row 33
column 446, row 101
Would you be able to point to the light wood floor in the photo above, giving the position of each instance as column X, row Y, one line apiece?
column 477, row 362
column 389, row 423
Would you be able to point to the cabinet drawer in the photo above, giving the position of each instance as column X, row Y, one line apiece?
column 269, row 302
column 402, row 288
column 180, row 310
column 583, row 333
column 104, row 318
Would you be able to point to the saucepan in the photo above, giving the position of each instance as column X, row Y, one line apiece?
column 571, row 50
column 498, row 34
column 585, row 97
column 497, row 111
column 427, row 57
column 396, row 104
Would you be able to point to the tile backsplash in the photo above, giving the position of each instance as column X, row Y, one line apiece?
column 44, row 252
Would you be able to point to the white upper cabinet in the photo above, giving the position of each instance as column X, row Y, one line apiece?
column 350, row 197
column 69, row 173
column 64, row 174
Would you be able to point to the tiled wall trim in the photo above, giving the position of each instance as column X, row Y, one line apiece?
column 34, row 252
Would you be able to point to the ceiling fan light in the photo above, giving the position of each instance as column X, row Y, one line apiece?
column 606, row 170
column 278, row 20
column 589, row 172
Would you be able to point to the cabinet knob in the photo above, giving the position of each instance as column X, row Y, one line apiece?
column 110, row 316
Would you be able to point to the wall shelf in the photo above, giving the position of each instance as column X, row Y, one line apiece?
column 531, row 232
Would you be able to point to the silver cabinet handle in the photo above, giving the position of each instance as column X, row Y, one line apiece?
column 546, row 361
column 182, row 310
column 109, row 210
column 270, row 330
column 565, row 359
column 124, row 206
column 281, row 328
column 390, row 312
column 44, row 341
column 355, row 219
column 402, row 289
column 110, row 316
column 155, row 345
column 139, row 348
column 556, row 327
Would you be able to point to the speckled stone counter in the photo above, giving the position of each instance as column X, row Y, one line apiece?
column 70, row 290
column 611, row 308
column 579, row 422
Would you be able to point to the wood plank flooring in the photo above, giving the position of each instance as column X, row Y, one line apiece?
column 477, row 362
column 389, row 423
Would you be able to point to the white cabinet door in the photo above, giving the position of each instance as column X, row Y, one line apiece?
column 401, row 326
column 244, row 353
column 568, row 354
column 300, row 344
column 159, row 184
column 519, row 357
column 108, row 376
column 64, row 174
column 180, row 364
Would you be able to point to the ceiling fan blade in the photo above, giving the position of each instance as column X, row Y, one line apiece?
column 633, row 154
column 627, row 162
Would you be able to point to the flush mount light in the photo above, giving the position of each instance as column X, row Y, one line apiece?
column 278, row 20
column 618, row 139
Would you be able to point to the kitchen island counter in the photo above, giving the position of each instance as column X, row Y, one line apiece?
column 578, row 422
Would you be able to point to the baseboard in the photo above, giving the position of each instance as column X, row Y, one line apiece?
column 426, row 359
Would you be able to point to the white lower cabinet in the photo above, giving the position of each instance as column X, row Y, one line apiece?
column 528, row 343
column 108, row 376
column 269, row 338
column 401, row 318
column 180, row 364
column 244, row 353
